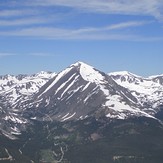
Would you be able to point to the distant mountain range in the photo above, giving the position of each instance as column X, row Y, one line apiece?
column 79, row 93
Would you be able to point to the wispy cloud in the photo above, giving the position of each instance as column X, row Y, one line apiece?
column 128, row 24
column 23, row 21
column 17, row 12
column 39, row 18
column 4, row 54
column 129, row 7
column 36, row 54
column 110, row 32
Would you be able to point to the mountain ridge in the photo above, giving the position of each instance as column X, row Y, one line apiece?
column 88, row 73
column 78, row 112
column 70, row 85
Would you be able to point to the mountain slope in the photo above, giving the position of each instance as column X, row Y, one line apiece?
column 81, row 115
column 15, row 88
column 80, row 91
column 76, row 93
column 133, row 140
column 12, row 90
column 148, row 91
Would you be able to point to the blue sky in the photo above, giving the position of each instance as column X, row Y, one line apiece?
column 111, row 35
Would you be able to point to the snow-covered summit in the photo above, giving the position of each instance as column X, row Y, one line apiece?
column 78, row 63
column 81, row 90
column 89, row 73
column 124, row 73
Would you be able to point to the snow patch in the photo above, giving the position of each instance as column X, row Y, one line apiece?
column 58, row 77
column 68, row 117
column 88, row 73
column 14, row 119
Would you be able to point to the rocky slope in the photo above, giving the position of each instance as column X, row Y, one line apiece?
column 81, row 115
column 148, row 91
column 14, row 89
column 81, row 91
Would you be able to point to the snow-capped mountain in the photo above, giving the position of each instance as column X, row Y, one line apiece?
column 81, row 91
column 78, row 92
column 148, row 91
column 15, row 88
column 63, row 115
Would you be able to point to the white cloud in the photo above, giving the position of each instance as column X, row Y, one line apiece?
column 111, row 32
column 3, row 54
column 39, row 54
column 62, row 32
column 128, row 24
column 128, row 7
column 22, row 21
column 42, row 21
column 18, row 12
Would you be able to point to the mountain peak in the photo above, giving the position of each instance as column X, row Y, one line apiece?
column 89, row 73
column 124, row 73
column 45, row 74
column 79, row 63
column 155, row 76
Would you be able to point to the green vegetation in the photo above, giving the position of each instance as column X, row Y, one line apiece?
column 47, row 156
column 136, row 140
